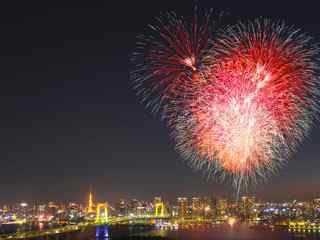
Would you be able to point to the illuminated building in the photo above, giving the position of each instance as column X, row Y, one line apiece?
column 141, row 210
column 231, row 221
column 197, row 207
column 183, row 207
column 316, row 202
column 121, row 207
column 246, row 205
column 157, row 200
column 23, row 204
column 133, row 207
column 316, row 208
column 90, row 208
column 145, row 208
column 41, row 208
column 175, row 211
column 222, row 207
column 294, row 215
column 206, row 207
column 52, row 208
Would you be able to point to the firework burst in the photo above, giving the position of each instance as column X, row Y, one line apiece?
column 169, row 58
column 259, row 102
column 239, row 102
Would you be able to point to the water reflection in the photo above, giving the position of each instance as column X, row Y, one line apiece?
column 235, row 231
column 102, row 232
column 41, row 226
column 189, row 231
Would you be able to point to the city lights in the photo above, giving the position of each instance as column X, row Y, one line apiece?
column 231, row 221
column 183, row 212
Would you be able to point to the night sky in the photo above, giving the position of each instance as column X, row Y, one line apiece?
column 71, row 122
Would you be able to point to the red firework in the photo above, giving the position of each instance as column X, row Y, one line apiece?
column 258, row 104
column 168, row 60
column 239, row 105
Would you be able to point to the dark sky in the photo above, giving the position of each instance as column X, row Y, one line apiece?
column 70, row 120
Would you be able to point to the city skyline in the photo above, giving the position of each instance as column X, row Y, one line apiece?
column 215, row 208
column 91, row 198
column 25, row 220
column 70, row 120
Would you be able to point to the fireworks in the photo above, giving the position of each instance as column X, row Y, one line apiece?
column 169, row 59
column 242, row 104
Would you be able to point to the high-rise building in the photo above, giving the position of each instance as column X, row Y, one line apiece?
column 133, row 207
column 316, row 207
column 141, row 209
column 222, row 205
column 174, row 211
column 206, row 207
column 121, row 207
column 196, row 207
column 157, row 200
column 246, row 205
column 183, row 207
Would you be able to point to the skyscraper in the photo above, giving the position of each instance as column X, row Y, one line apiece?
column 121, row 207
column 246, row 204
column 222, row 205
column 157, row 200
column 133, row 207
column 183, row 207
column 196, row 207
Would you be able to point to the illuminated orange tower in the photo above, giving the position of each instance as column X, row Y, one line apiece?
column 90, row 203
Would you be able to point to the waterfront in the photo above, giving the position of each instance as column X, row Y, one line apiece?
column 235, row 232
column 240, row 231
column 186, row 218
